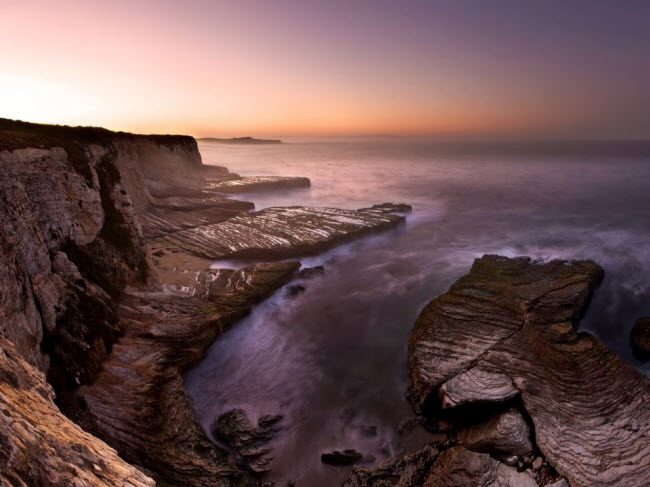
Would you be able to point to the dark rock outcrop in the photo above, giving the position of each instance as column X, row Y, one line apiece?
column 39, row 446
column 250, row 442
column 641, row 335
column 283, row 232
column 341, row 458
column 511, row 324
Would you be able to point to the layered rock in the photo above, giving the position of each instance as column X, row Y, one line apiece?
column 510, row 326
column 138, row 403
column 283, row 232
column 258, row 183
column 250, row 442
column 70, row 243
column 39, row 446
column 459, row 467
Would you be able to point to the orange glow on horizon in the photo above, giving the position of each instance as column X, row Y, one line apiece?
column 217, row 70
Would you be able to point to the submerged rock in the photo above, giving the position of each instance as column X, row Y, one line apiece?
column 340, row 458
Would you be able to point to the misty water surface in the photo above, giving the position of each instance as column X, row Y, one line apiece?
column 333, row 359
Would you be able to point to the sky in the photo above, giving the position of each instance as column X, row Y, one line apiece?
column 518, row 68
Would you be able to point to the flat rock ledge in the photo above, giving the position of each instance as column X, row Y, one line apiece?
column 257, row 183
column 498, row 362
column 138, row 403
column 283, row 232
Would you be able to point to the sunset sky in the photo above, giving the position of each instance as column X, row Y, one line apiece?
column 512, row 68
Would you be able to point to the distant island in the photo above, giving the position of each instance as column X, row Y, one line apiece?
column 240, row 140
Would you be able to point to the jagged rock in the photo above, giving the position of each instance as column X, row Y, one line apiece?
column 590, row 410
column 41, row 447
column 339, row 458
column 463, row 468
column 282, row 232
column 505, row 434
column 409, row 471
column 641, row 335
column 258, row 183
column 235, row 429
column 69, row 242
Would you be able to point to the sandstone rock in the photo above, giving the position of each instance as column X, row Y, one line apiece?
column 590, row 410
column 505, row 434
column 463, row 468
column 282, row 232
column 475, row 386
column 641, row 335
column 339, row 458
column 39, row 446
column 409, row 471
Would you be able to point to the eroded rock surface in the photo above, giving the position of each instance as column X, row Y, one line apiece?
column 459, row 467
column 283, row 232
column 138, row 403
column 250, row 442
column 39, row 446
column 517, row 318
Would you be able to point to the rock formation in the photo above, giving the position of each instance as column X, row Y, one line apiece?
column 497, row 360
column 250, row 442
column 39, row 446
column 641, row 336
column 81, row 300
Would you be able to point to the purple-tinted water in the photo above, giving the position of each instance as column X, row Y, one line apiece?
column 333, row 359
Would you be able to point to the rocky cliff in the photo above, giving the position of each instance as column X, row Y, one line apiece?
column 81, row 300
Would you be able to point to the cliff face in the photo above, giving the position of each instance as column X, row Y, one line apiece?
column 70, row 239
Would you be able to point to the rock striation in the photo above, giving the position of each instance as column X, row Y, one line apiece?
column 81, row 300
column 289, row 232
column 258, row 183
column 509, row 328
column 39, row 446
column 138, row 403
column 250, row 442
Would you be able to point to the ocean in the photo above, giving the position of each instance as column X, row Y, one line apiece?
column 332, row 360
